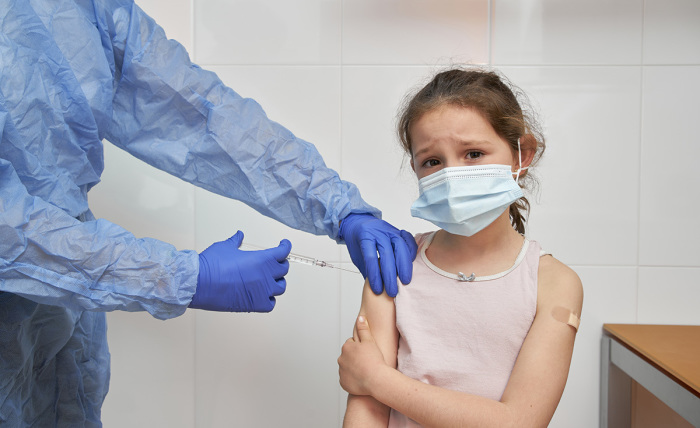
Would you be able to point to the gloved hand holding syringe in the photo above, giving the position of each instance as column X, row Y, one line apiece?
column 298, row 258
column 231, row 279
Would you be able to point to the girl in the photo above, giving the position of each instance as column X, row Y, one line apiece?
column 483, row 335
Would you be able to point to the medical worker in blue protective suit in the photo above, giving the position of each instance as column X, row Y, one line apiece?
column 75, row 72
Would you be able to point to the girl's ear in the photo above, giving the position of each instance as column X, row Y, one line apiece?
column 528, row 148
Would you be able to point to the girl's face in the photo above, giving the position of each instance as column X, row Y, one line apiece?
column 452, row 136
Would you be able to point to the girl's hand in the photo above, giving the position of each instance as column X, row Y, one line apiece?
column 359, row 361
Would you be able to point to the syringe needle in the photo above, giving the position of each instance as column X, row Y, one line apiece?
column 339, row 268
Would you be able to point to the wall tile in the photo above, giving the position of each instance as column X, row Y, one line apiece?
column 671, row 32
column 245, row 362
column 586, row 211
column 669, row 230
column 554, row 32
column 175, row 16
column 610, row 296
column 143, row 200
column 267, row 31
column 415, row 31
column 152, row 371
column 669, row 295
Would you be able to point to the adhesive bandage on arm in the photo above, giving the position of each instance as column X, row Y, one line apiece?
column 566, row 316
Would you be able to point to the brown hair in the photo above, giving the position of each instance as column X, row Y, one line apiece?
column 498, row 102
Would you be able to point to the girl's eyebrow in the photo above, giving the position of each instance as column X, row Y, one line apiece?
column 476, row 142
column 421, row 151
column 461, row 143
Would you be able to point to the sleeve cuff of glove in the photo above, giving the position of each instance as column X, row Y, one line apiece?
column 352, row 218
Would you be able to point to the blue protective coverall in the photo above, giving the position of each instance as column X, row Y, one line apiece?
column 75, row 72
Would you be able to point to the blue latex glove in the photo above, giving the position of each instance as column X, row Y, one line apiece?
column 365, row 236
column 232, row 280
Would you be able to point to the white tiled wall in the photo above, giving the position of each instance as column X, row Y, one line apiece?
column 616, row 85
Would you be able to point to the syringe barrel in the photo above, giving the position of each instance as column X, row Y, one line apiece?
column 301, row 259
column 298, row 258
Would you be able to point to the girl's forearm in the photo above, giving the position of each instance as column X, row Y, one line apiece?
column 364, row 411
column 432, row 406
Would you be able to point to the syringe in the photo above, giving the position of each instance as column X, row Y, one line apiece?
column 298, row 258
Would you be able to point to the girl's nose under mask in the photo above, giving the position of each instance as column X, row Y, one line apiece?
column 464, row 200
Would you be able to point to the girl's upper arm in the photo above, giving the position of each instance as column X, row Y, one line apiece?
column 380, row 313
column 541, row 369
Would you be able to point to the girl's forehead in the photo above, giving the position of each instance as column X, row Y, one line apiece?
column 456, row 116
column 452, row 122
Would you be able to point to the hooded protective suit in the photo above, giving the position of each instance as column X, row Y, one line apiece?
column 75, row 72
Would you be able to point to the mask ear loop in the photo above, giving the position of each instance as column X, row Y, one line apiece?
column 520, row 164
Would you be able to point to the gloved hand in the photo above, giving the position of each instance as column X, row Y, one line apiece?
column 232, row 280
column 365, row 235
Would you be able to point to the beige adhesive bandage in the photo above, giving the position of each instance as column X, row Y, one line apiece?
column 565, row 316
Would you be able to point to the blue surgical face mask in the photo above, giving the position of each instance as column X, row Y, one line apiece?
column 464, row 200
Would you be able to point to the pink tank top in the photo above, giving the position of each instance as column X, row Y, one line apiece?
column 464, row 335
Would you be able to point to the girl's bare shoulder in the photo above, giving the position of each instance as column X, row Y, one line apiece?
column 559, row 285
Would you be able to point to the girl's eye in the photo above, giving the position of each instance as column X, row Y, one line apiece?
column 474, row 155
column 431, row 163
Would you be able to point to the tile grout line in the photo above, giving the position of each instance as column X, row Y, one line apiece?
column 639, row 165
